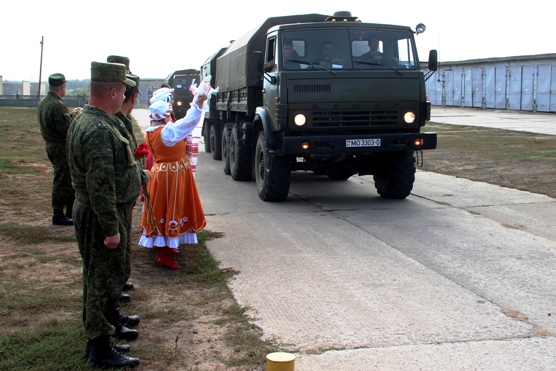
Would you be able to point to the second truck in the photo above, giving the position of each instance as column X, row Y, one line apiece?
column 327, row 94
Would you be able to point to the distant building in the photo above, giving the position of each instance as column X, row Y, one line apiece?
column 522, row 83
column 21, row 87
column 146, row 87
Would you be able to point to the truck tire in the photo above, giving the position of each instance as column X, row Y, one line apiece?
column 240, row 157
column 272, row 173
column 395, row 178
column 226, row 148
column 215, row 141
column 206, row 136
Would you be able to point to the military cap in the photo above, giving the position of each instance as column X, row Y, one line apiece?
column 110, row 72
column 118, row 59
column 56, row 79
column 133, row 89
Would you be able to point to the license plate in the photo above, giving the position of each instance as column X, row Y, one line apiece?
column 362, row 143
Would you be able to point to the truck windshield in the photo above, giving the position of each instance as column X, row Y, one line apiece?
column 183, row 82
column 348, row 48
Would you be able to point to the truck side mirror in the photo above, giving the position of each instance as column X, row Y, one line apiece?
column 433, row 60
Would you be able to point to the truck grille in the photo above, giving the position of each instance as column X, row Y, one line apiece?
column 355, row 118
column 311, row 88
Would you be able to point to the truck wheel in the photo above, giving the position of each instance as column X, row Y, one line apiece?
column 206, row 136
column 272, row 173
column 396, row 175
column 226, row 148
column 240, row 157
column 215, row 141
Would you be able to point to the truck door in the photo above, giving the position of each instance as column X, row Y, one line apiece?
column 270, row 89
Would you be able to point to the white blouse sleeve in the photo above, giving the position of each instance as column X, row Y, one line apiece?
column 179, row 130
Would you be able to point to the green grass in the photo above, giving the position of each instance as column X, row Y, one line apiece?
column 21, row 140
column 55, row 347
column 24, row 234
column 513, row 159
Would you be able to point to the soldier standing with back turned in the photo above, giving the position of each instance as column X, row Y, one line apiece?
column 55, row 119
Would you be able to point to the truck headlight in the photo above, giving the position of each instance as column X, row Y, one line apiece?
column 300, row 119
column 409, row 117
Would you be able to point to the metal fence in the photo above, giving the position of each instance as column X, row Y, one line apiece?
column 526, row 83
column 18, row 100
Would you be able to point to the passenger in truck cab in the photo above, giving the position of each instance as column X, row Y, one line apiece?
column 289, row 53
column 373, row 55
column 326, row 59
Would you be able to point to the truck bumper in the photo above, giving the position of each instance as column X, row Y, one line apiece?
column 360, row 144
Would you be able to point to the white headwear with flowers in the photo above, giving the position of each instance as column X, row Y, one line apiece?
column 160, row 110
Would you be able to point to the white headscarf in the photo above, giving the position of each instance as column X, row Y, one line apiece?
column 159, row 110
column 162, row 94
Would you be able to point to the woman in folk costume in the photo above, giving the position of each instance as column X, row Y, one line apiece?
column 172, row 213
column 166, row 94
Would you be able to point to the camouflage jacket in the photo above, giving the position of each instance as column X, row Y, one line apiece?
column 54, row 118
column 126, row 128
column 103, row 169
column 129, row 127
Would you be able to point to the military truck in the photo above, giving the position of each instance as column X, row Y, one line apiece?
column 281, row 108
column 180, row 81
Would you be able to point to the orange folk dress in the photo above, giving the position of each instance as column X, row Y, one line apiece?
column 173, row 213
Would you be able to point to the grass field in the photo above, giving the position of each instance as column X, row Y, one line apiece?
column 520, row 160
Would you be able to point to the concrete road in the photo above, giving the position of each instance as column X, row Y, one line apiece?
column 459, row 276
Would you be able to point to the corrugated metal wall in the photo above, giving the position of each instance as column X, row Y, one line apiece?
column 525, row 83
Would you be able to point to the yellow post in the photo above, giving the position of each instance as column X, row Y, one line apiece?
column 280, row 361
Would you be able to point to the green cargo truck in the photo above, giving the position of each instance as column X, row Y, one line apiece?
column 181, row 81
column 327, row 94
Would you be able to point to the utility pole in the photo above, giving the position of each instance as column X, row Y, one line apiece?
column 40, row 71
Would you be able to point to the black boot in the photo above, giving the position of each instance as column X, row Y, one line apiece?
column 59, row 218
column 124, row 333
column 128, row 286
column 120, row 348
column 128, row 321
column 125, row 298
column 102, row 354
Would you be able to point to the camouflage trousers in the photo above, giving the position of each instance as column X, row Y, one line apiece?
column 103, row 269
column 62, row 191
column 127, row 248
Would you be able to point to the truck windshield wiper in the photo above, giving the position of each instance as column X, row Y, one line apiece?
column 380, row 65
column 312, row 65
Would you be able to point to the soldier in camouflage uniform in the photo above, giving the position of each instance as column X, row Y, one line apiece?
column 55, row 119
column 107, row 181
column 124, row 115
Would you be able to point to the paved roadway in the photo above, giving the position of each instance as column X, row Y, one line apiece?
column 459, row 276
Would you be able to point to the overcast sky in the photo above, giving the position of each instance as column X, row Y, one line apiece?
column 163, row 36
